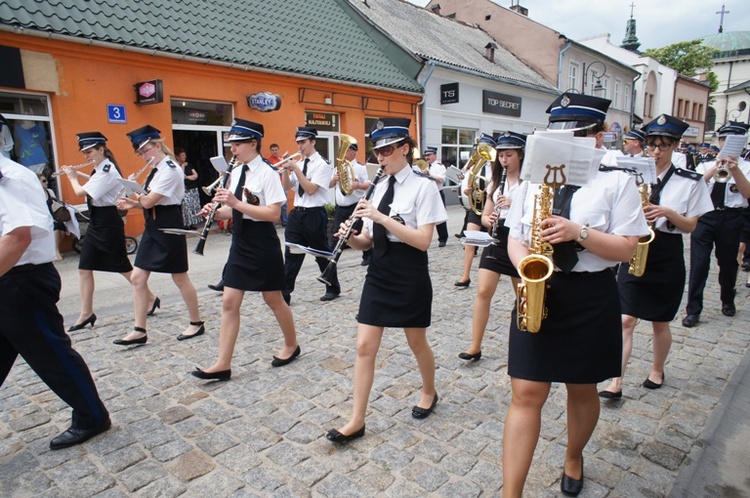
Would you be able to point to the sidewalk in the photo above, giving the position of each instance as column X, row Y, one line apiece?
column 262, row 433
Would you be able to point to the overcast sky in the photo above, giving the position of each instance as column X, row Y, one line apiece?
column 658, row 22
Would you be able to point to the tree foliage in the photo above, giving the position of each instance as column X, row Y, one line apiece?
column 688, row 58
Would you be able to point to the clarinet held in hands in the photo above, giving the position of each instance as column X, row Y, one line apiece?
column 216, row 205
column 325, row 277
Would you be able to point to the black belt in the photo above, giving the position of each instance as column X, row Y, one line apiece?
column 308, row 209
column 25, row 268
column 728, row 209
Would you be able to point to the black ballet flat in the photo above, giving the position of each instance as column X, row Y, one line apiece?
column 336, row 437
column 610, row 394
column 470, row 357
column 649, row 384
column 570, row 486
column 129, row 342
column 201, row 331
column 280, row 362
column 462, row 284
column 419, row 412
column 157, row 304
column 220, row 375
column 78, row 326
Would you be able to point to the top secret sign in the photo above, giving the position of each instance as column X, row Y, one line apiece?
column 500, row 103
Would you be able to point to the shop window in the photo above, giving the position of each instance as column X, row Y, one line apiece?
column 191, row 112
column 28, row 140
column 456, row 146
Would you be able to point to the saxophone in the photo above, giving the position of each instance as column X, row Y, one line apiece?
column 344, row 167
column 536, row 268
column 638, row 261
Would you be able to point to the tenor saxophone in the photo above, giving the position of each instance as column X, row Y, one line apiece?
column 536, row 268
column 638, row 261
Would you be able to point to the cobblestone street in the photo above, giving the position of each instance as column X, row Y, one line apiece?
column 262, row 433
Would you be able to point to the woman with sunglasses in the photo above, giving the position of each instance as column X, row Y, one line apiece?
column 506, row 177
column 104, row 245
column 398, row 224
column 676, row 202
column 159, row 251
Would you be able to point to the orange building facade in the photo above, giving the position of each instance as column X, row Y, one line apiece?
column 70, row 87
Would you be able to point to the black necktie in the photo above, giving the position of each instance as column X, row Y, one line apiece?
column 717, row 194
column 565, row 255
column 149, row 178
column 237, row 215
column 300, row 190
column 378, row 231
column 660, row 184
column 88, row 197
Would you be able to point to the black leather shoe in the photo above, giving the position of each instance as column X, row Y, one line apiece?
column 336, row 437
column 157, row 304
column 74, row 436
column 570, row 486
column 220, row 375
column 442, row 243
column 329, row 296
column 201, row 330
column 610, row 394
column 747, row 284
column 462, row 284
column 458, row 235
column 649, row 384
column 728, row 309
column 690, row 321
column 746, row 266
column 216, row 287
column 366, row 262
column 419, row 412
column 470, row 357
column 280, row 362
column 128, row 342
column 78, row 326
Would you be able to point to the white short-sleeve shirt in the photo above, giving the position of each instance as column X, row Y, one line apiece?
column 360, row 174
column 319, row 172
column 732, row 196
column 168, row 181
column 103, row 186
column 23, row 203
column 262, row 180
column 687, row 196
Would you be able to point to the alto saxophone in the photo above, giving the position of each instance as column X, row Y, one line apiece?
column 536, row 268
column 638, row 261
column 344, row 167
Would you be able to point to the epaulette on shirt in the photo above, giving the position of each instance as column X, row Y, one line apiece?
column 269, row 164
column 171, row 164
column 422, row 174
column 106, row 167
column 688, row 174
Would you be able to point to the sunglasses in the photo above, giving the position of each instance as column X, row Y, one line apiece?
column 386, row 150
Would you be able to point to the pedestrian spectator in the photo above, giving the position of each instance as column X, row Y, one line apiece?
column 191, row 203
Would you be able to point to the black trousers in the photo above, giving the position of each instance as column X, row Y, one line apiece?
column 343, row 213
column 32, row 326
column 746, row 234
column 442, row 228
column 307, row 227
column 720, row 228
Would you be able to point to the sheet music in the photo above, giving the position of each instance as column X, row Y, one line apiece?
column 477, row 238
column 644, row 168
column 733, row 145
column 179, row 231
column 300, row 249
column 454, row 174
column 219, row 163
column 559, row 157
column 131, row 187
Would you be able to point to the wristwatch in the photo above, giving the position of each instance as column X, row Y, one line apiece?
column 584, row 233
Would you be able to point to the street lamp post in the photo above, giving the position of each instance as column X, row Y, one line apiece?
column 597, row 76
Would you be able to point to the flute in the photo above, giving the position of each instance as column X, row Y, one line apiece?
column 214, row 207
column 327, row 274
column 60, row 171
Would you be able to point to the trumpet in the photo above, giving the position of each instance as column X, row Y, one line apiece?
column 133, row 177
column 722, row 174
column 209, row 189
column 60, row 171
column 293, row 156
column 214, row 207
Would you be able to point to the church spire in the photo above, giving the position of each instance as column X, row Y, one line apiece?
column 630, row 42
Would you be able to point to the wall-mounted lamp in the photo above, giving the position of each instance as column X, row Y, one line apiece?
column 598, row 87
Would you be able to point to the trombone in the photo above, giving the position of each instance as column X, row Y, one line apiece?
column 60, row 171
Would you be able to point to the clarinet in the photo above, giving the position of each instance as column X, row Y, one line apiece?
column 215, row 207
column 496, row 223
column 327, row 274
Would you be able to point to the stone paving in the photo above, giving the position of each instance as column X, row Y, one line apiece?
column 262, row 433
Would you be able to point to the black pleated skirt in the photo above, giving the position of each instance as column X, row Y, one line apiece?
column 162, row 252
column 656, row 295
column 397, row 290
column 495, row 257
column 580, row 341
column 255, row 262
column 104, row 244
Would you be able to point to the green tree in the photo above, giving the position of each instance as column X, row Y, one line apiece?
column 688, row 58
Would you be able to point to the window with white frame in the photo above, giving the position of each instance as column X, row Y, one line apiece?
column 573, row 75
column 628, row 93
column 456, row 146
column 616, row 96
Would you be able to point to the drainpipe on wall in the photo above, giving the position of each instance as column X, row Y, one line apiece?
column 421, row 115
column 559, row 65
column 632, row 100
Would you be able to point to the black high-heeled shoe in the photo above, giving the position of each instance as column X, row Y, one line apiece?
column 128, row 342
column 156, row 304
column 220, row 375
column 570, row 486
column 335, row 436
column 201, row 330
column 470, row 357
column 78, row 326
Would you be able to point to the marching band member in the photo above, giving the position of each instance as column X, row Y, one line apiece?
column 32, row 326
column 632, row 143
column 159, row 251
column 722, row 227
column 473, row 221
column 398, row 224
column 306, row 224
column 437, row 171
column 677, row 201
column 253, row 199
column 104, row 245
column 579, row 342
column 495, row 260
